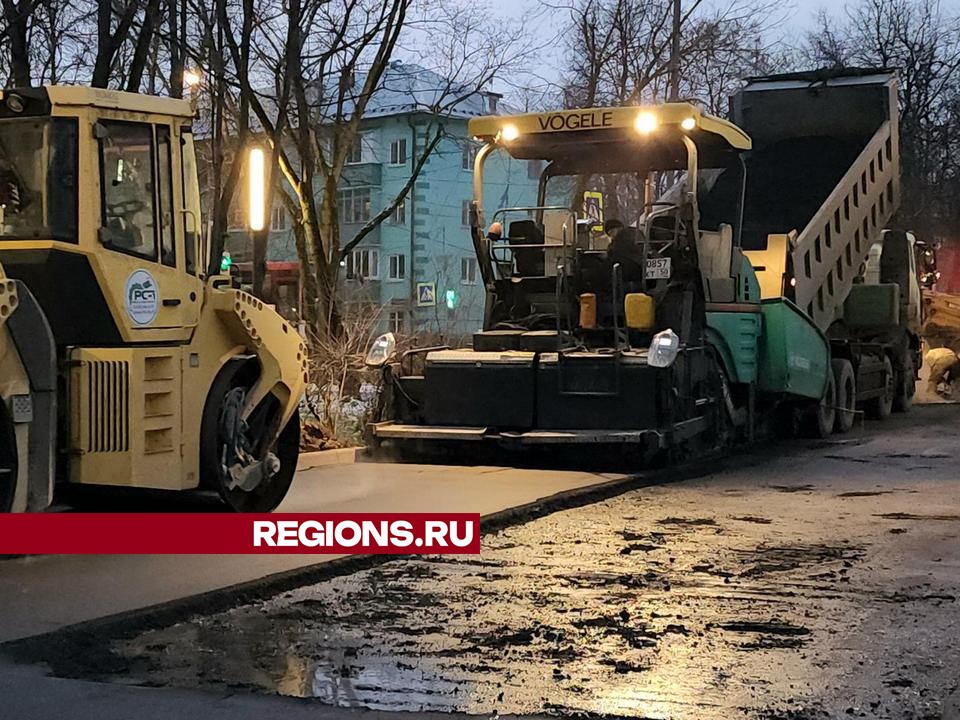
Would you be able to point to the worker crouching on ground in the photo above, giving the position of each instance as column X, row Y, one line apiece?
column 944, row 367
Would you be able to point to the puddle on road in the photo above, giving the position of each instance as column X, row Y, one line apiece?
column 606, row 609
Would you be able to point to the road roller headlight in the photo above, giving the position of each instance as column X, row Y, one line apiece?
column 382, row 350
column 663, row 349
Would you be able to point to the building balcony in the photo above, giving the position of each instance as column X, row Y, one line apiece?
column 362, row 175
column 348, row 230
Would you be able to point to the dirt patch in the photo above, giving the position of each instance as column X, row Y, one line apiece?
column 864, row 493
column 914, row 516
column 768, row 627
column 689, row 522
column 752, row 519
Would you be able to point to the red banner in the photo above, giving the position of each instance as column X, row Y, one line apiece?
column 216, row 533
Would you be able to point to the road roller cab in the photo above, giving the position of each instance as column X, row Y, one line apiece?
column 128, row 363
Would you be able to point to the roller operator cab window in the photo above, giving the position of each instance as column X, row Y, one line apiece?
column 128, row 206
column 38, row 179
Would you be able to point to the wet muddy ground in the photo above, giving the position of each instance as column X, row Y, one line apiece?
column 822, row 582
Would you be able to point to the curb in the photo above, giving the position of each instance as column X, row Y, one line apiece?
column 325, row 458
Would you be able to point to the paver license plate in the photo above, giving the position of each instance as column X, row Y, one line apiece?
column 658, row 268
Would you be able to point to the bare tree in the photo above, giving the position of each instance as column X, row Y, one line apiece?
column 327, row 62
column 619, row 51
column 923, row 43
column 134, row 45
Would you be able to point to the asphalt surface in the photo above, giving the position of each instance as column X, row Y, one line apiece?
column 43, row 593
column 815, row 581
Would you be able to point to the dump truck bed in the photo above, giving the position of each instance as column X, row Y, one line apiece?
column 825, row 171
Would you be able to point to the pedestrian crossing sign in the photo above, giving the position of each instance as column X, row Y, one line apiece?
column 426, row 294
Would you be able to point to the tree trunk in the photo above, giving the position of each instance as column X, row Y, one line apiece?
column 328, row 253
column 309, row 292
column 108, row 41
column 16, row 16
column 139, row 64
column 176, row 50
column 101, row 66
column 260, row 261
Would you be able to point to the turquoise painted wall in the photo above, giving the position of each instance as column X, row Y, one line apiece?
column 433, row 213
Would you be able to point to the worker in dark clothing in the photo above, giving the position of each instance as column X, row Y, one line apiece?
column 10, row 190
column 610, row 229
column 625, row 250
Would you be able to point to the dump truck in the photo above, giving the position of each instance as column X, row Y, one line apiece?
column 741, row 294
column 128, row 360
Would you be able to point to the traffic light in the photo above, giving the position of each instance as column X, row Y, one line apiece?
column 451, row 299
column 225, row 263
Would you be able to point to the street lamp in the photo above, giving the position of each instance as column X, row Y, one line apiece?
column 257, row 179
column 192, row 78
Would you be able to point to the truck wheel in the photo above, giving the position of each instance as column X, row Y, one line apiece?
column 269, row 493
column 906, row 385
column 846, row 385
column 820, row 417
column 879, row 408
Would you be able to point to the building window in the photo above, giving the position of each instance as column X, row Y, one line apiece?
column 354, row 205
column 278, row 219
column 398, row 152
column 468, row 270
column 355, row 156
column 465, row 213
column 236, row 216
column 363, row 265
column 363, row 150
column 398, row 267
column 469, row 155
column 395, row 321
column 399, row 214
column 534, row 168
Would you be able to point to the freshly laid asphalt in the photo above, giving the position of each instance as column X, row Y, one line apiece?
column 43, row 593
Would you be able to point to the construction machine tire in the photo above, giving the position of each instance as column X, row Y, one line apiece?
column 268, row 494
column 8, row 461
column 787, row 420
column 906, row 384
column 845, row 382
column 819, row 417
column 879, row 408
